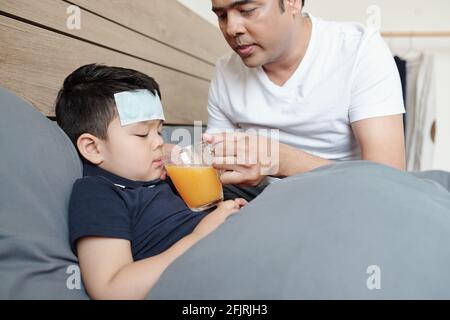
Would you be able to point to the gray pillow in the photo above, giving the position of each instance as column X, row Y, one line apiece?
column 438, row 176
column 353, row 230
column 38, row 166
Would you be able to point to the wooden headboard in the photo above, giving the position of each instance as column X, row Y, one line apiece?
column 161, row 38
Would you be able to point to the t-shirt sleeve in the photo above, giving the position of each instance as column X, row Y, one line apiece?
column 376, row 89
column 217, row 119
column 97, row 210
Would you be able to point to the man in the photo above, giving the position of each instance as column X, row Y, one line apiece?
column 332, row 89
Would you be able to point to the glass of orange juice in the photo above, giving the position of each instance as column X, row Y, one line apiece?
column 191, row 171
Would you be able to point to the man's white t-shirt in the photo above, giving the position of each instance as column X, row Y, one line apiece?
column 348, row 74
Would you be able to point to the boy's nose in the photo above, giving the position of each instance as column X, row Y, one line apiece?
column 158, row 143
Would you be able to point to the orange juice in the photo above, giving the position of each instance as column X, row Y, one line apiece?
column 199, row 186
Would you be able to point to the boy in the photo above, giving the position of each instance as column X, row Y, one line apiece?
column 126, row 223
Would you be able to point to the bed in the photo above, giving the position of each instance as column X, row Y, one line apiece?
column 351, row 230
column 328, row 234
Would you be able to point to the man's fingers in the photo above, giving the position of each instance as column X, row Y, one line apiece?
column 226, row 144
column 214, row 138
column 221, row 149
column 230, row 160
column 208, row 138
column 227, row 167
column 231, row 177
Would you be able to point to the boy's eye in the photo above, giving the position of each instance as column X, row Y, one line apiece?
column 142, row 135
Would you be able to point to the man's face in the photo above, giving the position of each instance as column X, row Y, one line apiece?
column 257, row 30
column 134, row 151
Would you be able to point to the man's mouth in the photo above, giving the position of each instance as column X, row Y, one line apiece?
column 245, row 50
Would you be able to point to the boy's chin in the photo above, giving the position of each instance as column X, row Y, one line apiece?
column 152, row 177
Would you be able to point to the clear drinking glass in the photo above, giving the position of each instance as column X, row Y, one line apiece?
column 191, row 171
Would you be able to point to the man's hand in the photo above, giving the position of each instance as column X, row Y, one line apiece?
column 213, row 220
column 244, row 159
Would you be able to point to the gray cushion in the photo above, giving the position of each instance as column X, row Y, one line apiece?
column 38, row 166
column 317, row 235
column 439, row 176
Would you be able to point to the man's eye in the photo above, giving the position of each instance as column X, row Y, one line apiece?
column 248, row 12
column 222, row 16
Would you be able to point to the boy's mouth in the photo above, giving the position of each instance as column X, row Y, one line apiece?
column 158, row 162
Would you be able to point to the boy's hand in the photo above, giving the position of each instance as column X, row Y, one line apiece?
column 232, row 206
column 213, row 220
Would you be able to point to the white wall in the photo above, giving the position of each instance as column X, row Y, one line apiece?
column 396, row 15
column 202, row 8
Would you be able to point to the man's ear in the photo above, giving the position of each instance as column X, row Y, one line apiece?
column 90, row 148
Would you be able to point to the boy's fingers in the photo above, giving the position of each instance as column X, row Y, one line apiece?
column 229, row 204
column 241, row 202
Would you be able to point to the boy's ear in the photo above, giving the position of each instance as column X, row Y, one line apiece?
column 89, row 147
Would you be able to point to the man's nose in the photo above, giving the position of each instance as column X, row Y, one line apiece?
column 235, row 26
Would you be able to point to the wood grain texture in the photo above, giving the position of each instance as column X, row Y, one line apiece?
column 165, row 20
column 52, row 14
column 34, row 62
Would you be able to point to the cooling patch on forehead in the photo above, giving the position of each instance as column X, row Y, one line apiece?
column 138, row 106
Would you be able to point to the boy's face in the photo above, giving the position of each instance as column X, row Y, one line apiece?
column 135, row 151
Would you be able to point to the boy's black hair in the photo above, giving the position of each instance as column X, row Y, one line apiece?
column 282, row 5
column 85, row 103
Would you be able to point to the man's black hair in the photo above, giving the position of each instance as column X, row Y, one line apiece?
column 282, row 4
column 85, row 103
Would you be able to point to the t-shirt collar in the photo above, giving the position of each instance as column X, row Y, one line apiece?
column 121, row 182
column 293, row 81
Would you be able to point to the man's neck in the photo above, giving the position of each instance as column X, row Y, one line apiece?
column 281, row 70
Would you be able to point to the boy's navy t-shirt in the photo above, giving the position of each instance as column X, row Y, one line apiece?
column 148, row 214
